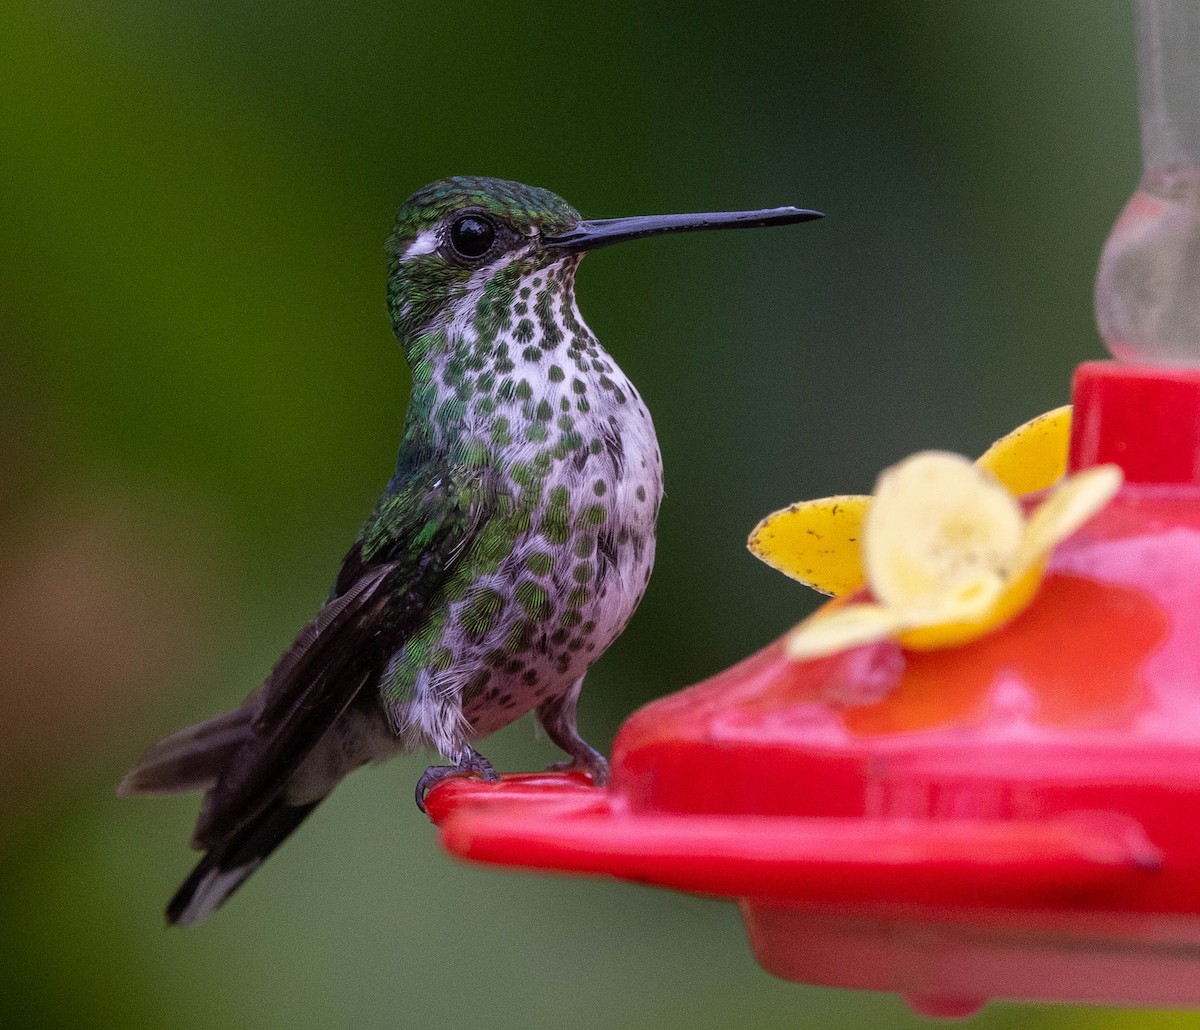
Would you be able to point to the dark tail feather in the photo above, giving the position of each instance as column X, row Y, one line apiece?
column 224, row 869
column 191, row 758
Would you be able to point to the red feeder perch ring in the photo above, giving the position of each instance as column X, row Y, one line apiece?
column 1017, row 817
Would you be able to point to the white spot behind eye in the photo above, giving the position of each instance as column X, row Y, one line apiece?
column 427, row 242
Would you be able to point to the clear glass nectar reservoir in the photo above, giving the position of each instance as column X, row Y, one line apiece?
column 1148, row 287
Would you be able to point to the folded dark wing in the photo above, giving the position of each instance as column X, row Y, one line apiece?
column 314, row 682
column 388, row 582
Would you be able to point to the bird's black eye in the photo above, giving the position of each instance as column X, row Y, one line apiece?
column 472, row 236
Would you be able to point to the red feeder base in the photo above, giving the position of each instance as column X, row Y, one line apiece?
column 1013, row 818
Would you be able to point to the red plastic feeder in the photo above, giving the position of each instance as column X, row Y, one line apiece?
column 1017, row 818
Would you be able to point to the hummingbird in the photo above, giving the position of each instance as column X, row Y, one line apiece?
column 508, row 550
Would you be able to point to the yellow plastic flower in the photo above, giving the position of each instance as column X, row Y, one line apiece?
column 944, row 544
column 1034, row 455
column 949, row 555
column 817, row 542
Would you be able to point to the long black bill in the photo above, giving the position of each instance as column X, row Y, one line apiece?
column 602, row 231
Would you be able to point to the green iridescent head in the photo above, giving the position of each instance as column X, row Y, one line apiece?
column 453, row 236
column 461, row 242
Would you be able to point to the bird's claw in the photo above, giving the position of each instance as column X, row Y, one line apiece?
column 472, row 763
column 595, row 765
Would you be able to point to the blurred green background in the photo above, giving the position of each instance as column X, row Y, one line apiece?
column 200, row 398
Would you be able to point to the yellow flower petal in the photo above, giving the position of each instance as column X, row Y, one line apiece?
column 937, row 524
column 1033, row 456
column 839, row 629
column 1074, row 502
column 816, row 542
column 1013, row 598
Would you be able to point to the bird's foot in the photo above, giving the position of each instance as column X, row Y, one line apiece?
column 589, row 761
column 471, row 763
